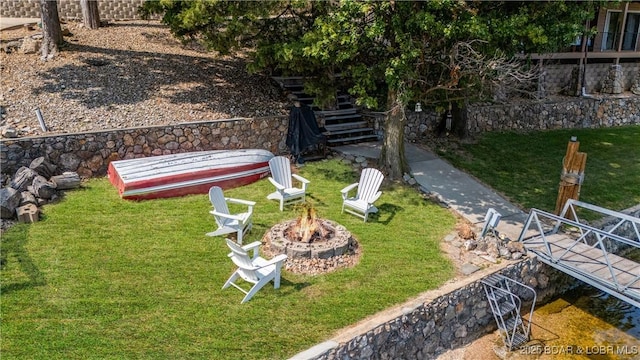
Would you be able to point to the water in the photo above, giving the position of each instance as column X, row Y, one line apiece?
column 585, row 323
column 617, row 313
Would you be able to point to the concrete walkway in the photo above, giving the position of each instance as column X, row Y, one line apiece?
column 460, row 191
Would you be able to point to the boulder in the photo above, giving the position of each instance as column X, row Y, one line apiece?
column 30, row 46
column 9, row 201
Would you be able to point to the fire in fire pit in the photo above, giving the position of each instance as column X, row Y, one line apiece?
column 308, row 228
column 313, row 245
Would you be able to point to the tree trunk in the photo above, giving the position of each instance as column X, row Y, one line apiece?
column 392, row 160
column 51, row 31
column 453, row 122
column 90, row 14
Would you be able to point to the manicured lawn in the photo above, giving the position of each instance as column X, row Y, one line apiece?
column 526, row 167
column 104, row 278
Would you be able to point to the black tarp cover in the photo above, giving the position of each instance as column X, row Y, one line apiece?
column 303, row 130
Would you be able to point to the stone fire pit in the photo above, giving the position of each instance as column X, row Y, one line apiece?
column 315, row 248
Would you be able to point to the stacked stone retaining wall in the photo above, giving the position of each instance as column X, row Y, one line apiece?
column 426, row 328
column 89, row 154
column 567, row 113
column 71, row 10
column 558, row 77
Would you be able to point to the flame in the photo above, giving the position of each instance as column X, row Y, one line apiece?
column 307, row 225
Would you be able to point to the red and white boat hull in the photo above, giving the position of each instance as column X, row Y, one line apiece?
column 187, row 173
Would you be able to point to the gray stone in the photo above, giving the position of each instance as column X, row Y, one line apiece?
column 461, row 332
column 505, row 253
column 30, row 46
column 9, row 199
column 69, row 161
column 468, row 268
column 11, row 46
column 515, row 246
column 9, row 132
column 470, row 245
column 450, row 237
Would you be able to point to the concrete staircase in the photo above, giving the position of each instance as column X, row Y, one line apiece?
column 343, row 124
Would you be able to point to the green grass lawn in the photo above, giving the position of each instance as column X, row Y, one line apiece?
column 526, row 167
column 104, row 278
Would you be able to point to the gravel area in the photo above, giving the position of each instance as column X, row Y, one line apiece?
column 127, row 74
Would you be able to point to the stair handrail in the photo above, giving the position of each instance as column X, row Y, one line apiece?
column 514, row 298
column 533, row 301
column 516, row 302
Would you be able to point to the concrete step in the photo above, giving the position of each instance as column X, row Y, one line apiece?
column 331, row 120
column 349, row 132
column 352, row 139
column 333, row 129
column 325, row 113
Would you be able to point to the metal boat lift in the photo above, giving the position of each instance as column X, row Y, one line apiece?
column 594, row 256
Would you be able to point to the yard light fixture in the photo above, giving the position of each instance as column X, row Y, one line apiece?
column 448, row 120
column 418, row 107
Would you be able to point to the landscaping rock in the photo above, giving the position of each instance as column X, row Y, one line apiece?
column 468, row 269
column 9, row 201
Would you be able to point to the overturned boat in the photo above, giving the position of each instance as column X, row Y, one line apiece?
column 187, row 173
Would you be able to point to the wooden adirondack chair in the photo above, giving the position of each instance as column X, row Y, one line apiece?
column 282, row 179
column 229, row 223
column 362, row 203
column 253, row 269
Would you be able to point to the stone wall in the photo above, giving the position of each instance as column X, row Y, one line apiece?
column 566, row 113
column 89, row 154
column 70, row 9
column 627, row 230
column 424, row 329
column 558, row 76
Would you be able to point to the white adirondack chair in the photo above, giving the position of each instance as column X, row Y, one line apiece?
column 229, row 223
column 367, row 193
column 253, row 269
column 282, row 179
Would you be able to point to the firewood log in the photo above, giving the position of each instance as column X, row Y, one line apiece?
column 43, row 167
column 68, row 180
column 43, row 188
column 23, row 178
column 26, row 197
